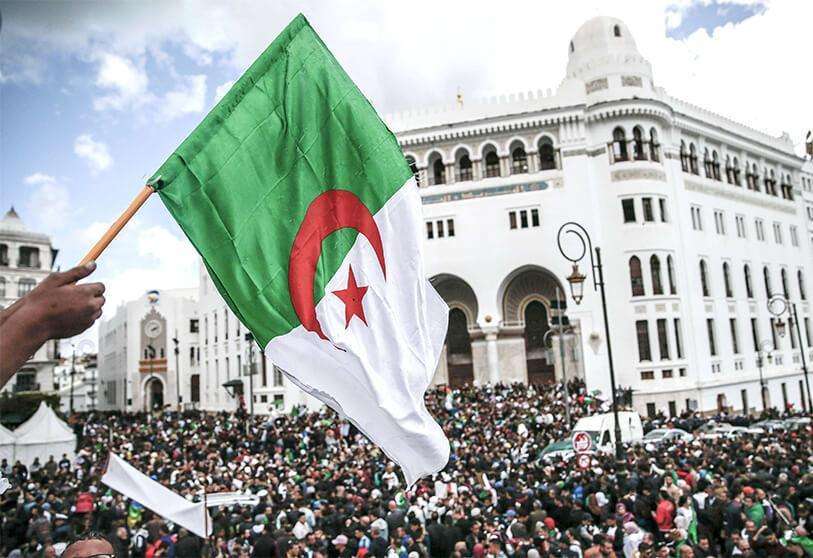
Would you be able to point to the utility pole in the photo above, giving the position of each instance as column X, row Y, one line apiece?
column 177, row 373
column 73, row 373
column 250, row 338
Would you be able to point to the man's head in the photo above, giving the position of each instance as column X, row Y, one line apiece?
column 92, row 545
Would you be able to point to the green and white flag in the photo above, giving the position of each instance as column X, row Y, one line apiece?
column 308, row 219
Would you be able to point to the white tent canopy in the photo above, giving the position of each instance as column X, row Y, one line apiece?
column 43, row 435
column 7, row 440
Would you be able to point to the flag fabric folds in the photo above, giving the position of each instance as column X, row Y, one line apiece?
column 124, row 478
column 307, row 217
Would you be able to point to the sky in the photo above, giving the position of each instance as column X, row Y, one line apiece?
column 94, row 96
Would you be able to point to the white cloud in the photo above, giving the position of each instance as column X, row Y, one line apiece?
column 39, row 178
column 222, row 89
column 142, row 257
column 94, row 152
column 189, row 97
column 49, row 202
column 125, row 82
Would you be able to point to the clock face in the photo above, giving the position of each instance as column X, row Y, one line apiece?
column 153, row 329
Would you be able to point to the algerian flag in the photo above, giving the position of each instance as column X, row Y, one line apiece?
column 308, row 219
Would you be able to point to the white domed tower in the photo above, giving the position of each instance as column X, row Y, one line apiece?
column 603, row 55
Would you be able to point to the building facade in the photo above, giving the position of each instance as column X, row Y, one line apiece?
column 699, row 220
column 226, row 355
column 26, row 258
column 148, row 353
column 76, row 383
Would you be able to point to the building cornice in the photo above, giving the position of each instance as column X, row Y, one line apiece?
column 492, row 125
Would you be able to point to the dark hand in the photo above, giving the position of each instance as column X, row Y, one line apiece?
column 60, row 308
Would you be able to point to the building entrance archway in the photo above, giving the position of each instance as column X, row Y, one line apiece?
column 154, row 394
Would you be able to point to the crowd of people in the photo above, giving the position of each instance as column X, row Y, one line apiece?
column 324, row 491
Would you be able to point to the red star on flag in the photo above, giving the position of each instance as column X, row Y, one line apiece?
column 351, row 296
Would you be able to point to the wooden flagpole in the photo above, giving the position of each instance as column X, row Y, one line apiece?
column 114, row 229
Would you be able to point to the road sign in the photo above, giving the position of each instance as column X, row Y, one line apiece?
column 582, row 442
column 583, row 460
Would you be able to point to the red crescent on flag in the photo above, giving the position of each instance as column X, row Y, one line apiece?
column 326, row 214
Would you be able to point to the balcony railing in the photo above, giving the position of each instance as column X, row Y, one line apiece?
column 25, row 386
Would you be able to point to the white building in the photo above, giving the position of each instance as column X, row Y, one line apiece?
column 693, row 214
column 225, row 354
column 148, row 353
column 77, row 380
column 26, row 258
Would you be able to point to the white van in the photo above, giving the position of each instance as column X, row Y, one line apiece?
column 602, row 428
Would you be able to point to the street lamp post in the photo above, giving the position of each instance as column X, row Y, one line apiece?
column 177, row 373
column 778, row 305
column 576, row 280
column 560, row 333
column 762, row 352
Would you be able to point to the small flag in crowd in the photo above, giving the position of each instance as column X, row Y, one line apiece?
column 308, row 219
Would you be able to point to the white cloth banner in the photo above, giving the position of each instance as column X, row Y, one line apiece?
column 124, row 478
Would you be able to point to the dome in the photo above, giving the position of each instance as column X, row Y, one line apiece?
column 602, row 34
column 12, row 222
column 603, row 47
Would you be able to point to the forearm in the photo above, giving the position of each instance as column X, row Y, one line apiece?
column 20, row 337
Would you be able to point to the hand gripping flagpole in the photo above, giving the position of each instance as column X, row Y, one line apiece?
column 116, row 227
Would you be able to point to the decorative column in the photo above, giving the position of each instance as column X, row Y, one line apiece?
column 505, row 166
column 533, row 161
column 477, row 169
column 450, row 177
column 492, row 356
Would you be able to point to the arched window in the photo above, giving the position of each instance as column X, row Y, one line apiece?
column 519, row 160
column 616, row 31
column 655, row 272
column 620, row 145
column 766, row 275
column 438, row 172
column 787, row 188
column 572, row 48
column 693, row 159
column 25, row 286
column 783, row 275
column 729, row 170
column 755, row 178
column 413, row 166
column 715, row 165
column 801, row 279
column 3, row 254
column 2, row 287
column 636, row 277
column 654, row 145
column 749, row 287
column 704, row 278
column 492, row 161
column 708, row 165
column 547, row 155
column 737, row 172
column 638, row 144
column 729, row 292
column 436, row 169
column 670, row 272
column 684, row 157
column 463, row 164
